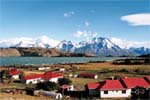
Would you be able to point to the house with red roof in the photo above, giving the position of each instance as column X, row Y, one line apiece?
column 32, row 79
column 116, row 88
column 108, row 89
column 47, row 76
column 88, row 75
column 133, row 82
column 52, row 76
column 14, row 73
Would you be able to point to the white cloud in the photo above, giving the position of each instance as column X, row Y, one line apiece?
column 127, row 44
column 87, row 23
column 69, row 14
column 79, row 34
column 137, row 19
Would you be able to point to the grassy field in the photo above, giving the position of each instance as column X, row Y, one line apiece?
column 97, row 68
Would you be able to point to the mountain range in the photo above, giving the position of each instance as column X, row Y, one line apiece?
column 98, row 46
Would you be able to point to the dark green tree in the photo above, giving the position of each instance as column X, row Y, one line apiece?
column 48, row 86
column 63, row 81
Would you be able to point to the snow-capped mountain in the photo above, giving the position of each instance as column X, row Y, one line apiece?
column 140, row 50
column 27, row 42
column 97, row 46
column 100, row 46
column 66, row 46
column 43, row 41
column 17, row 42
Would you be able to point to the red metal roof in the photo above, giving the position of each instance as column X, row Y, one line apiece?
column 134, row 82
column 106, row 85
column 93, row 85
column 111, row 85
column 46, row 76
column 120, row 84
column 33, row 76
column 49, row 75
column 14, row 72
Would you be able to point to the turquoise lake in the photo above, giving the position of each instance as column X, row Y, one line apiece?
column 50, row 60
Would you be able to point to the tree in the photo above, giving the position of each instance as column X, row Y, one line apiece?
column 63, row 81
column 21, row 75
column 48, row 86
column 4, row 76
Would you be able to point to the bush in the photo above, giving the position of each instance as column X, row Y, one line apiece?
column 63, row 81
column 48, row 86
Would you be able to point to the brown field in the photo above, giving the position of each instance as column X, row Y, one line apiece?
column 6, row 96
column 27, row 72
column 109, row 65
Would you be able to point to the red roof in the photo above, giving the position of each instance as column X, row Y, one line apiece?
column 46, row 76
column 93, row 85
column 49, row 75
column 112, row 85
column 84, row 74
column 34, row 76
column 134, row 82
column 14, row 72
column 106, row 85
column 120, row 84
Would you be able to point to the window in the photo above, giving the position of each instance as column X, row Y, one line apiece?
column 105, row 92
column 123, row 91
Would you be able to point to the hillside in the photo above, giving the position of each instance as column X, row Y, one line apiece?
column 37, row 52
column 9, row 52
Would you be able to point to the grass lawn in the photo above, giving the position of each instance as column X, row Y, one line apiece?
column 79, row 83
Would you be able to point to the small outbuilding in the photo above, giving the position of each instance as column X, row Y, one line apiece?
column 88, row 75
column 14, row 73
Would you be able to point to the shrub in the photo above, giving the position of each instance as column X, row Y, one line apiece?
column 63, row 81
column 48, row 86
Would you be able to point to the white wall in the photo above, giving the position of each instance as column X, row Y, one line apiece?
column 33, row 81
column 55, row 79
column 96, row 76
column 15, row 76
column 115, row 94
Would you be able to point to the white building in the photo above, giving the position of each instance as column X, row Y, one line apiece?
column 33, row 79
column 116, row 88
column 36, row 78
column 52, row 95
column 43, row 68
column 88, row 75
column 52, row 77
column 14, row 73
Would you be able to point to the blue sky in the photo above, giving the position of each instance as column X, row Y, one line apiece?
column 72, row 19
